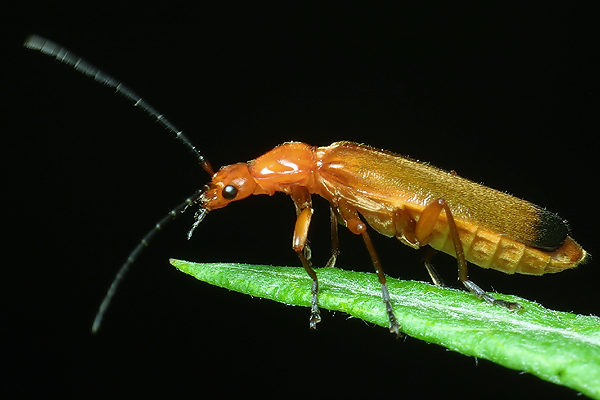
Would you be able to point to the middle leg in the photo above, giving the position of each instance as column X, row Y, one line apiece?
column 356, row 226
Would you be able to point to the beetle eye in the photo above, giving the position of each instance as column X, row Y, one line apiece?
column 229, row 192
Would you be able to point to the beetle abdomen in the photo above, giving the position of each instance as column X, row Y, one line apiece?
column 489, row 249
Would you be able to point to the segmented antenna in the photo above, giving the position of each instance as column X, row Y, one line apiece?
column 174, row 213
column 50, row 48
column 45, row 46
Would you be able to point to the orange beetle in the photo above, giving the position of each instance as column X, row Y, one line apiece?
column 415, row 202
column 397, row 196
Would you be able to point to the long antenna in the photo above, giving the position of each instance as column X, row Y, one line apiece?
column 144, row 242
column 48, row 47
column 45, row 46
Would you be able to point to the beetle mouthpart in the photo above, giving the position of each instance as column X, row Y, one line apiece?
column 199, row 216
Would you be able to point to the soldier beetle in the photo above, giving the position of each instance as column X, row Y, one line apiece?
column 396, row 196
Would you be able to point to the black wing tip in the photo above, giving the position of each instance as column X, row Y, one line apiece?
column 551, row 230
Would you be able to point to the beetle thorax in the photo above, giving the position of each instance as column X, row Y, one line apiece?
column 291, row 163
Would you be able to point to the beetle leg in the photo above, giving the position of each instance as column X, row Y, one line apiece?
column 435, row 277
column 385, row 295
column 299, row 242
column 356, row 226
column 304, row 212
column 335, row 243
column 428, row 219
column 405, row 228
column 424, row 229
column 302, row 200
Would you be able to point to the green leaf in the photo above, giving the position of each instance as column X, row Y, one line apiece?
column 559, row 347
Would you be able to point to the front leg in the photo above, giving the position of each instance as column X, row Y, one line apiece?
column 335, row 242
column 304, row 212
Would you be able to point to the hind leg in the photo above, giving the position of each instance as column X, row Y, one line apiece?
column 423, row 231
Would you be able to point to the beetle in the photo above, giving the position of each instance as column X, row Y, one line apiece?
column 396, row 196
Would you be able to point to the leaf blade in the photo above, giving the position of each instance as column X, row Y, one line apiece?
column 559, row 347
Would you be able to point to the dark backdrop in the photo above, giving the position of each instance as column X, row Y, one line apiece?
column 503, row 96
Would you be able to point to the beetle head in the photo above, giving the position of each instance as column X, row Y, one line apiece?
column 231, row 183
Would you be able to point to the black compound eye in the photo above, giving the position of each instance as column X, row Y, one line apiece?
column 229, row 192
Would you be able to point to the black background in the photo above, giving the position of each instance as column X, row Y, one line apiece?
column 505, row 96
